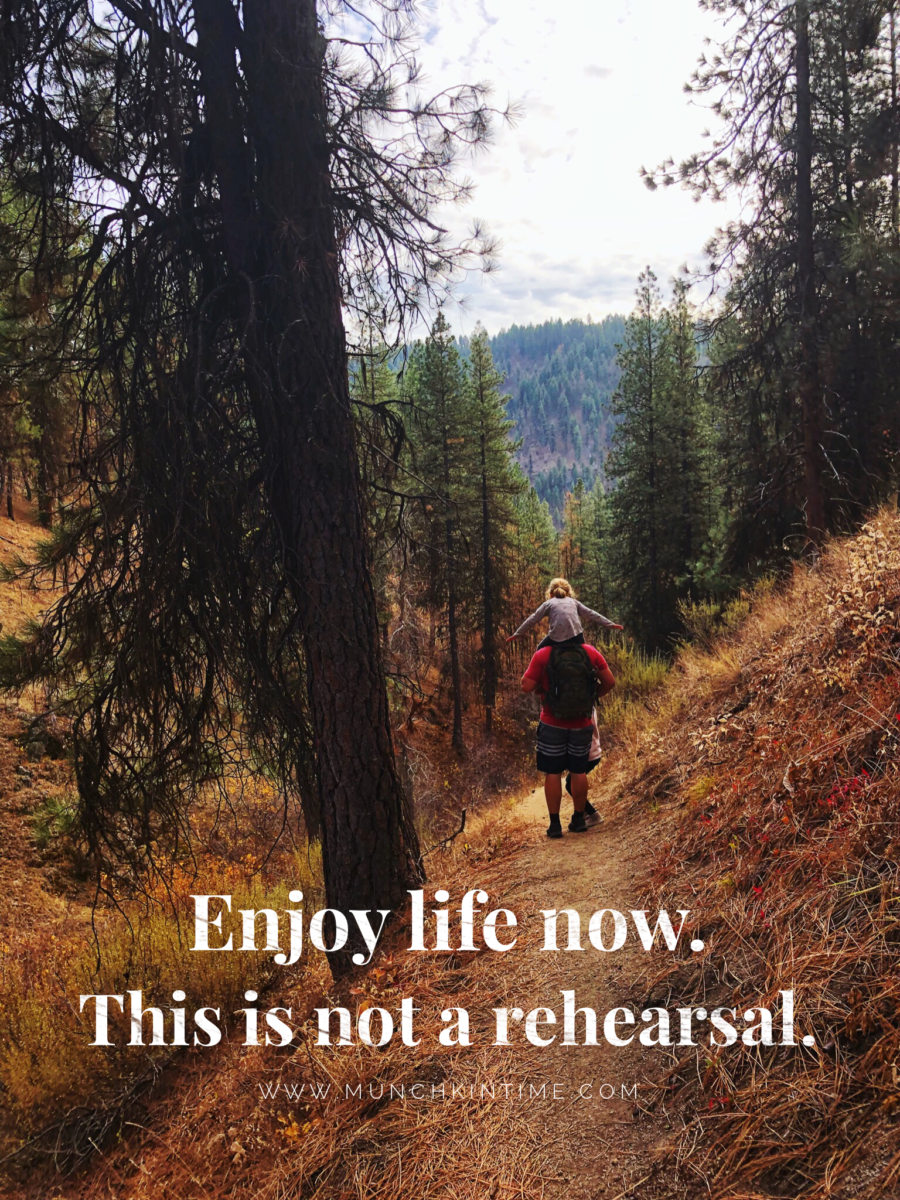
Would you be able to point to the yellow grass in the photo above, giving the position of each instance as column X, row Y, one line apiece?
column 47, row 1064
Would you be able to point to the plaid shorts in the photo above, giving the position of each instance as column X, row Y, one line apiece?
column 561, row 750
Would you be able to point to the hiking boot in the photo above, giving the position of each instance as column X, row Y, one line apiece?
column 591, row 816
column 577, row 824
column 554, row 829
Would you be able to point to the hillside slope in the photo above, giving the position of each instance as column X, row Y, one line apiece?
column 778, row 755
column 561, row 378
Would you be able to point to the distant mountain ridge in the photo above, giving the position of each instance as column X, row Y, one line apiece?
column 561, row 377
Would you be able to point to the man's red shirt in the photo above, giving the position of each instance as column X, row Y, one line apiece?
column 537, row 670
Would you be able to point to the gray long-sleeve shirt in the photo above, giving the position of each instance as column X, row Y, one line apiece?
column 566, row 615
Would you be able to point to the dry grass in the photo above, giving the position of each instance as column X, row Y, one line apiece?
column 18, row 605
column 444, row 783
column 781, row 744
column 54, row 1086
column 214, row 1134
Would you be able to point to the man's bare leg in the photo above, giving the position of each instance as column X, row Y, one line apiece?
column 553, row 792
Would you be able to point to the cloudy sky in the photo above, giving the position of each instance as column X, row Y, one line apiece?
column 601, row 85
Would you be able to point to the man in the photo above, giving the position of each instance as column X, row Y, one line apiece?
column 564, row 742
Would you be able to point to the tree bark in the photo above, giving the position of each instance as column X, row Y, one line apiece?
column 10, row 510
column 857, row 356
column 490, row 649
column 808, row 382
column 280, row 236
column 651, row 479
column 452, row 624
column 44, row 484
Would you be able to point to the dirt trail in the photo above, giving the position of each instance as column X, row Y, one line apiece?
column 601, row 1138
column 593, row 1140
column 564, row 1123
column 578, row 1136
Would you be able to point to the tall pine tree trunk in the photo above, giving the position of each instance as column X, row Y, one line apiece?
column 44, row 483
column 279, row 232
column 688, row 481
column 490, row 649
column 656, row 616
column 857, row 357
column 452, row 621
column 810, row 400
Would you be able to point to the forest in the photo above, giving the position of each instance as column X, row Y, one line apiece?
column 276, row 518
column 560, row 378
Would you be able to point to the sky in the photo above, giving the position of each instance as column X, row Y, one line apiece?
column 601, row 85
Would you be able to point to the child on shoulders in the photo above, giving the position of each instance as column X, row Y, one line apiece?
column 565, row 614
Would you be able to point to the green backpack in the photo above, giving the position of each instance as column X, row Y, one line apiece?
column 573, row 683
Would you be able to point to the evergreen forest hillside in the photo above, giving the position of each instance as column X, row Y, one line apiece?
column 561, row 377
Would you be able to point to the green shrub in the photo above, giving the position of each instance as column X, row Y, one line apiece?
column 55, row 818
column 638, row 675
column 707, row 620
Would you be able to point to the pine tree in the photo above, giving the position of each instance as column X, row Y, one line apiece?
column 689, row 429
column 37, row 387
column 640, row 465
column 534, row 547
column 381, row 435
column 596, row 549
column 444, row 447
column 577, row 444
column 251, row 185
column 500, row 482
column 572, row 537
column 807, row 349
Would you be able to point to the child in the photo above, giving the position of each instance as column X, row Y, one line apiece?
column 565, row 613
column 591, row 816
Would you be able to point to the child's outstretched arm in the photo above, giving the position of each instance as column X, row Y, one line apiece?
column 529, row 621
column 588, row 614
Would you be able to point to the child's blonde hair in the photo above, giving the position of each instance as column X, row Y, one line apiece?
column 559, row 589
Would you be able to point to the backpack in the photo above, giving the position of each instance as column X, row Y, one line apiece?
column 573, row 683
